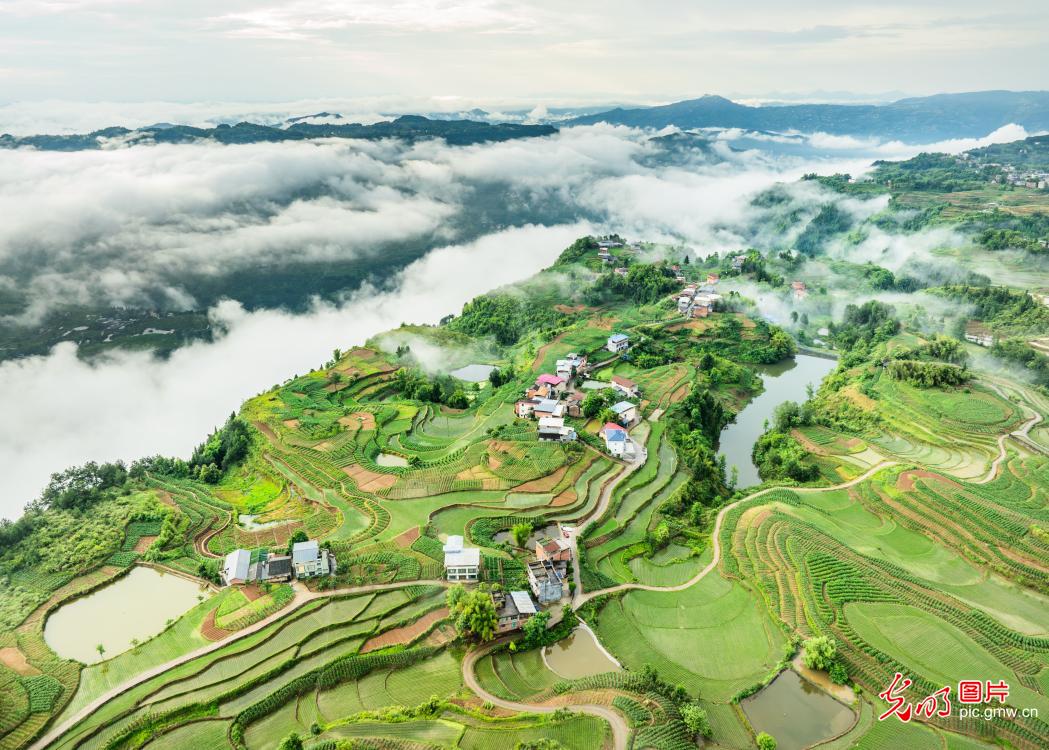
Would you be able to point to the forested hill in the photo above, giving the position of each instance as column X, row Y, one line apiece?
column 921, row 119
column 408, row 127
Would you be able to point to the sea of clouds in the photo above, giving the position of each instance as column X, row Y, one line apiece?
column 125, row 226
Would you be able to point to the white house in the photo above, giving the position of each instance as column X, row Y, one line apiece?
column 546, row 581
column 625, row 412
column 624, row 385
column 461, row 563
column 308, row 559
column 615, row 439
column 554, row 428
column 618, row 342
column 235, row 567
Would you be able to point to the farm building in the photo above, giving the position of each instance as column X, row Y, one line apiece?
column 625, row 386
column 309, row 559
column 799, row 289
column 461, row 563
column 979, row 334
column 513, row 609
column 546, row 580
column 615, row 439
column 626, row 412
column 554, row 428
column 235, row 568
column 618, row 342
column 555, row 550
column 274, row 569
column 548, row 407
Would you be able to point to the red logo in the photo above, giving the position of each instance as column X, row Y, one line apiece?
column 939, row 703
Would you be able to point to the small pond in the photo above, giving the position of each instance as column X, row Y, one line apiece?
column 391, row 459
column 796, row 713
column 135, row 606
column 785, row 381
column 248, row 522
column 595, row 385
column 551, row 531
column 473, row 373
column 579, row 655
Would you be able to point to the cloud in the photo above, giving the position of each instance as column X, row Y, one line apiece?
column 131, row 404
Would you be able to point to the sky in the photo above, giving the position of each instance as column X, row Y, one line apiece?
column 513, row 52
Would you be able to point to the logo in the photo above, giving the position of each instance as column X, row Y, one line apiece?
column 976, row 699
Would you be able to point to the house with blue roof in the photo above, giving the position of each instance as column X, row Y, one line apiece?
column 616, row 439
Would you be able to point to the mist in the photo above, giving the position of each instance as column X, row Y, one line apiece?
column 137, row 225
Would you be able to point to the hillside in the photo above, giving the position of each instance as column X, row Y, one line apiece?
column 902, row 504
column 916, row 120
column 407, row 127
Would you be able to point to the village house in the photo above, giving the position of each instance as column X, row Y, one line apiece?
column 625, row 386
column 713, row 278
column 618, row 342
column 461, row 563
column 570, row 366
column 979, row 334
column 546, row 580
column 738, row 261
column 554, row 550
column 799, row 290
column 548, row 407
column 235, row 568
column 701, row 310
column 512, row 610
column 525, row 407
column 274, row 569
column 621, row 271
column 309, row 559
column 555, row 383
column 626, row 412
column 554, row 428
column 606, row 257
column 683, row 303
column 615, row 439
column 574, row 404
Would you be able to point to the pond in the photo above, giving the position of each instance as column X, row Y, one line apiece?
column 247, row 520
column 135, row 606
column 595, row 385
column 473, row 373
column 579, row 655
column 391, row 459
column 796, row 713
column 551, row 531
column 785, row 381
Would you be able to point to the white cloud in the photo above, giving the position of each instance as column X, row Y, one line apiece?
column 131, row 405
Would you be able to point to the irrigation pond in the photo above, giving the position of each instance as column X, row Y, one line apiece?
column 391, row 459
column 137, row 606
column 579, row 655
column 785, row 381
column 796, row 712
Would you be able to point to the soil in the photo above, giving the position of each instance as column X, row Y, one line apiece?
column 364, row 419
column 406, row 634
column 266, row 430
column 906, row 479
column 569, row 310
column 369, row 481
column 143, row 543
column 291, row 424
column 565, row 498
column 209, row 630
column 542, row 484
column 405, row 538
column 843, row 693
column 14, row 659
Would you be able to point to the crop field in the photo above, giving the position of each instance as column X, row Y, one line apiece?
column 918, row 559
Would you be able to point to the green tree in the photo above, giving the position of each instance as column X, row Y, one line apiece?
column 839, row 675
column 820, row 651
column 474, row 613
column 594, row 402
column 291, row 742
column 766, row 741
column 101, row 650
column 696, row 720
column 298, row 536
column 534, row 628
column 520, row 532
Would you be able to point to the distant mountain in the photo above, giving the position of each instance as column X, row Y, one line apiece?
column 409, row 127
column 915, row 120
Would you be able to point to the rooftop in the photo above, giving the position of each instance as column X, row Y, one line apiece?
column 616, row 337
column 236, row 565
column 622, row 406
column 454, row 543
column 305, row 551
column 466, row 557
